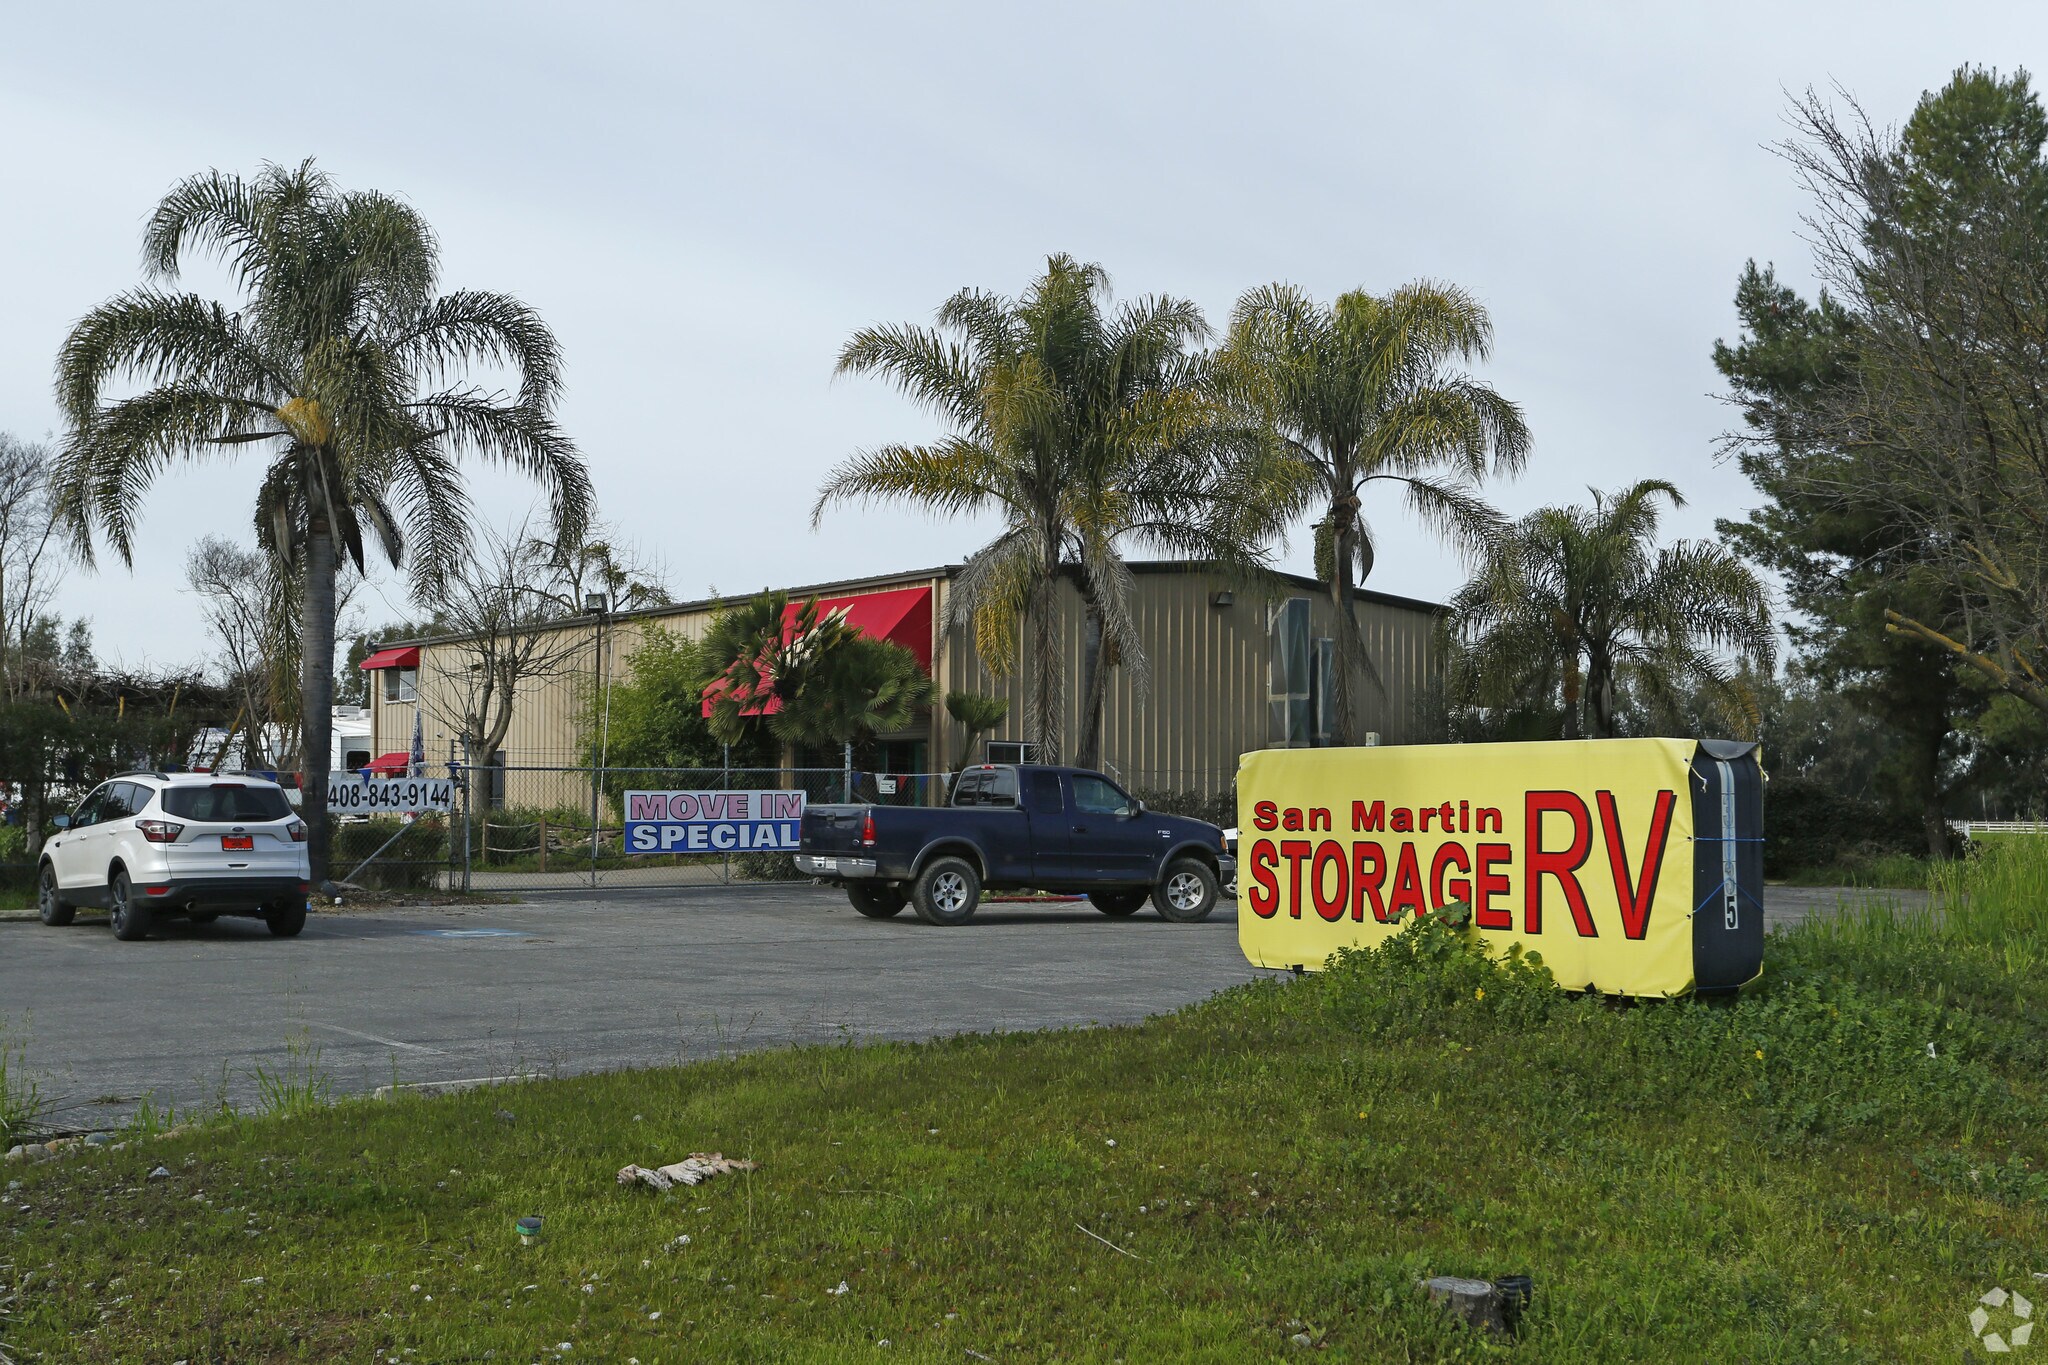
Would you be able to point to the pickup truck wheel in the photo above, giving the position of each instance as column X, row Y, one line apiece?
column 876, row 902
column 130, row 917
column 1117, row 903
column 947, row 891
column 1187, row 892
column 49, row 904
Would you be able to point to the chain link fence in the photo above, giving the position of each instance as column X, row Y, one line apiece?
column 561, row 827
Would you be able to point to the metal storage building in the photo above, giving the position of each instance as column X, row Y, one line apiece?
column 1234, row 666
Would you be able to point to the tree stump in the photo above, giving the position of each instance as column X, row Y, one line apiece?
column 1473, row 1302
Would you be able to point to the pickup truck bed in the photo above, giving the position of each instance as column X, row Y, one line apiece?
column 1015, row 827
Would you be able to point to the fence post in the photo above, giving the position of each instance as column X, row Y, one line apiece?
column 468, row 819
column 543, row 842
column 484, row 841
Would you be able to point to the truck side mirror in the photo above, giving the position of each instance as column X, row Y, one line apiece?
column 61, row 821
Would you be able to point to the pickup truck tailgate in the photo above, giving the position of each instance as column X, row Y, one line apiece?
column 833, row 829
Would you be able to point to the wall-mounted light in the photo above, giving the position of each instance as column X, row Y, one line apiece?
column 1222, row 598
column 594, row 604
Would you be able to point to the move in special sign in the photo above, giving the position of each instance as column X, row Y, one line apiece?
column 1634, row 866
column 712, row 822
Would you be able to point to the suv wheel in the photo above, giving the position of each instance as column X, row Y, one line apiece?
column 947, row 891
column 49, row 904
column 876, row 902
column 129, row 916
column 1117, row 903
column 285, row 921
column 1187, row 892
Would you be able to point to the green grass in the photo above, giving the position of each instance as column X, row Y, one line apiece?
column 1892, row 870
column 21, row 1100
column 1792, row 1177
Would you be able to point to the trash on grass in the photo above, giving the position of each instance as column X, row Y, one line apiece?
column 694, row 1169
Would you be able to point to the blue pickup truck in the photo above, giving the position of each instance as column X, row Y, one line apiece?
column 1012, row 827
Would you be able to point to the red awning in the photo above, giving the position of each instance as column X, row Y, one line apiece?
column 901, row 615
column 393, row 764
column 393, row 658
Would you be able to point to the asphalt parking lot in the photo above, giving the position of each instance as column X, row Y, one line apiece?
column 565, row 983
column 561, row 984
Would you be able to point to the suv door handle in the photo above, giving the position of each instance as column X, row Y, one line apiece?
column 1080, row 829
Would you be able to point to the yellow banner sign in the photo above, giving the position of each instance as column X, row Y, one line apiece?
column 1586, row 851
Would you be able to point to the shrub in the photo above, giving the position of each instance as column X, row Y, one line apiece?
column 1810, row 824
column 1219, row 808
column 414, row 861
column 765, row 867
column 1438, row 974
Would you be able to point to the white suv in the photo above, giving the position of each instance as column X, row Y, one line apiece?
column 195, row 844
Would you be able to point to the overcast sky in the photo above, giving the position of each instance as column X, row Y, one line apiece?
column 705, row 201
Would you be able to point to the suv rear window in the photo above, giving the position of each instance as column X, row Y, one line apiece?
column 226, row 802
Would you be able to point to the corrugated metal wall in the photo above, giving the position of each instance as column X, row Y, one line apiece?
column 1207, row 699
column 1206, row 704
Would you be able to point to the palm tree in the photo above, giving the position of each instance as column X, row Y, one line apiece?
column 1581, row 595
column 1079, row 431
column 1364, row 392
column 978, row 714
column 342, row 364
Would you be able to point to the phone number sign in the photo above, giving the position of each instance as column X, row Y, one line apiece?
column 389, row 795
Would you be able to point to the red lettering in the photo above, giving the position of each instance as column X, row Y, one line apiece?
column 1292, row 820
column 1407, row 886
column 1265, row 890
column 1427, row 813
column 1636, row 900
column 1480, row 818
column 1319, row 819
column 1448, row 855
column 1295, row 851
column 1329, row 854
column 1404, row 820
column 1368, row 818
column 1367, row 883
column 1562, row 864
column 1485, row 914
column 1265, row 815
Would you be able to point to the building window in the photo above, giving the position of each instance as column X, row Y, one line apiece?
column 1287, row 676
column 1012, row 751
column 401, row 684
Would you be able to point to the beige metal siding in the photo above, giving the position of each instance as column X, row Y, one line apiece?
column 1206, row 703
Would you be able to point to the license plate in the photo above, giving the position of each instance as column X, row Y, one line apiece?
column 237, row 841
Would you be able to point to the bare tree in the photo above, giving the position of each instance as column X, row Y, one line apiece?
column 252, row 613
column 506, row 602
column 32, row 563
column 1942, row 260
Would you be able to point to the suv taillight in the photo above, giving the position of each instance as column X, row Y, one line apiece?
column 158, row 831
column 867, row 830
column 297, row 829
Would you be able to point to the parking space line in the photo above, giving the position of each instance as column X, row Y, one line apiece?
column 369, row 1037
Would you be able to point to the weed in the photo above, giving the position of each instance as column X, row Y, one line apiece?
column 21, row 1098
column 299, row 1086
